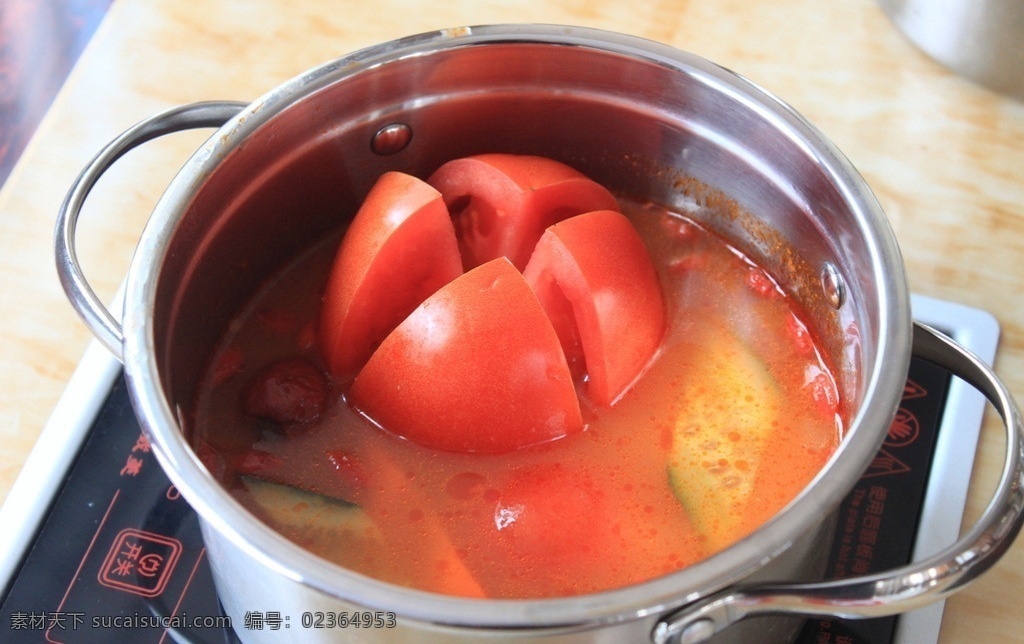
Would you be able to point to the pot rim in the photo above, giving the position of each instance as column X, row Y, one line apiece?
column 221, row 512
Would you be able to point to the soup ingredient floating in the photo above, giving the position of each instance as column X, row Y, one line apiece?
column 696, row 434
column 719, row 442
column 475, row 310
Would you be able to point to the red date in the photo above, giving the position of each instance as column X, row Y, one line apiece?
column 289, row 392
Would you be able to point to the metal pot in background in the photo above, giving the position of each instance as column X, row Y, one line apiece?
column 980, row 39
column 646, row 120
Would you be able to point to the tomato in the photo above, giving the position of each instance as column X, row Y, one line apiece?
column 399, row 249
column 823, row 390
column 488, row 363
column 501, row 203
column 346, row 468
column 552, row 516
column 476, row 368
column 593, row 275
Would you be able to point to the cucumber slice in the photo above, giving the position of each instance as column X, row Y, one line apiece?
column 730, row 407
column 300, row 512
column 345, row 533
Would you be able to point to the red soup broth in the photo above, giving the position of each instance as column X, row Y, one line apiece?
column 735, row 415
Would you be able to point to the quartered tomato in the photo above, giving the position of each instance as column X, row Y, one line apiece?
column 489, row 360
column 477, row 367
column 593, row 275
column 399, row 249
column 501, row 203
column 552, row 515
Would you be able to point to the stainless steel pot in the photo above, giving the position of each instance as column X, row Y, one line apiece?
column 646, row 120
column 982, row 40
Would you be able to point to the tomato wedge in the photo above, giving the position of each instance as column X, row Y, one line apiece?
column 398, row 250
column 476, row 368
column 594, row 277
column 553, row 514
column 501, row 203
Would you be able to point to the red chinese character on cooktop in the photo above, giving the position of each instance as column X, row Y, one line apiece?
column 140, row 562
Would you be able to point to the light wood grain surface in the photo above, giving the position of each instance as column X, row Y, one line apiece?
column 943, row 155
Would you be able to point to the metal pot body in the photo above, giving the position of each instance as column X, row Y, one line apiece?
column 982, row 40
column 644, row 119
column 246, row 586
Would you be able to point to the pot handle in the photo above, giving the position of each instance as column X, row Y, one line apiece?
column 905, row 588
column 210, row 114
